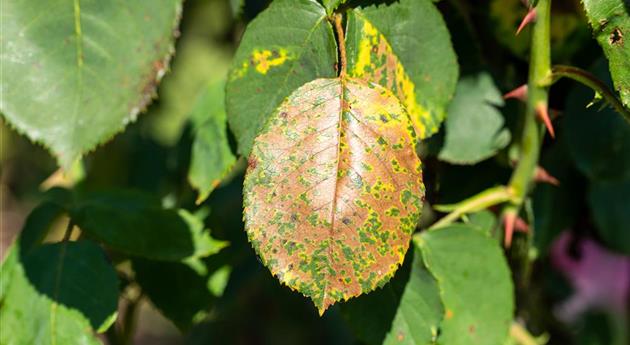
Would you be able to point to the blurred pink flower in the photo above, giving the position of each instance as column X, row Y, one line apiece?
column 601, row 278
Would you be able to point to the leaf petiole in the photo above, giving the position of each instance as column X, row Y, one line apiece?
column 588, row 79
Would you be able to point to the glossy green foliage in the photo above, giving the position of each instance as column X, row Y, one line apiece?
column 409, row 308
column 76, row 73
column 57, row 294
column 610, row 21
column 474, row 107
column 139, row 226
column 385, row 44
column 211, row 157
column 474, row 283
column 287, row 45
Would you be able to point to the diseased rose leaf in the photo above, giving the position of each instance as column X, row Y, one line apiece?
column 287, row 45
column 610, row 21
column 75, row 74
column 334, row 189
column 405, row 47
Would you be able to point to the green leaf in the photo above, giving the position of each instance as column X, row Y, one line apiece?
column 212, row 157
column 287, row 45
column 474, row 282
column 334, row 189
column 474, row 107
column 407, row 310
column 137, row 226
column 610, row 21
column 57, row 294
column 75, row 74
column 597, row 138
column 484, row 221
column 405, row 47
column 331, row 5
column 610, row 204
column 37, row 225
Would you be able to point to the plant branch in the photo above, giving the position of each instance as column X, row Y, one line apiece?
column 342, row 44
column 539, row 71
column 478, row 202
column 588, row 79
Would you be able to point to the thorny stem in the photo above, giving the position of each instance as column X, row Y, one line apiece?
column 342, row 44
column 539, row 71
column 588, row 79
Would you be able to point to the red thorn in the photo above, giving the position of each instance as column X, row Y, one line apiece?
column 529, row 18
column 519, row 93
column 543, row 115
column 520, row 225
column 509, row 221
column 542, row 175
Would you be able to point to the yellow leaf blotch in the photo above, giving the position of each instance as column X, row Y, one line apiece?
column 263, row 60
column 376, row 62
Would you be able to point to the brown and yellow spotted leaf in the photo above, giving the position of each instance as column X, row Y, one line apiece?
column 334, row 189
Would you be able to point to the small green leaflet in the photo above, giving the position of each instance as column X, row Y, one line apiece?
column 76, row 73
column 474, row 106
column 211, row 157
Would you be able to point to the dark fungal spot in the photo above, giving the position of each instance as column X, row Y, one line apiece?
column 252, row 162
column 616, row 37
column 346, row 220
column 384, row 118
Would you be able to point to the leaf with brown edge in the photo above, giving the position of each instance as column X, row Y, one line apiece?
column 334, row 189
